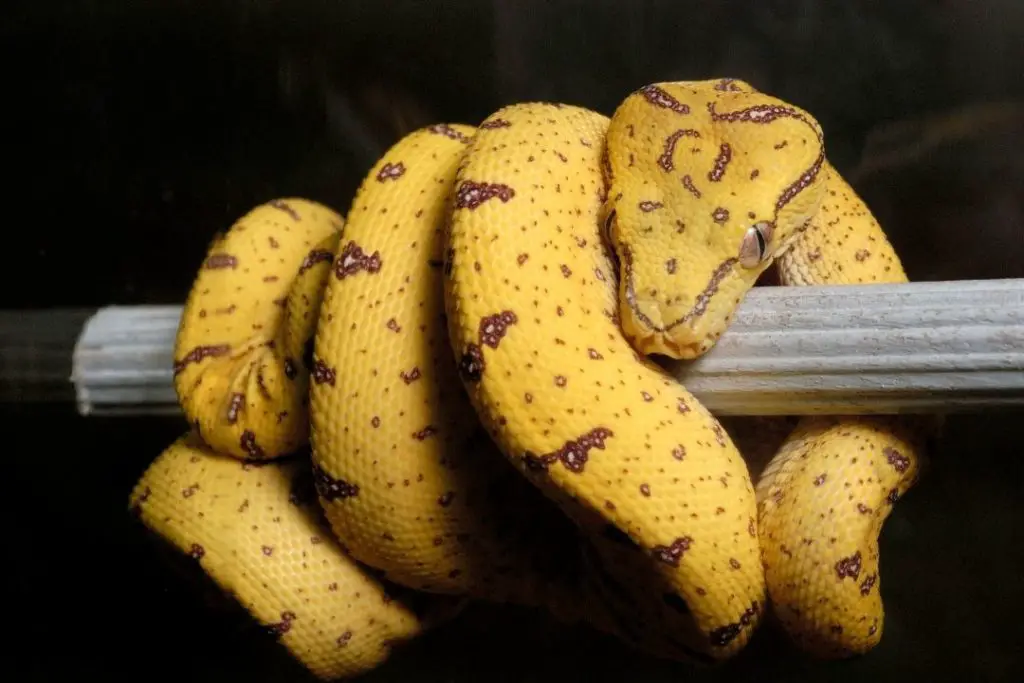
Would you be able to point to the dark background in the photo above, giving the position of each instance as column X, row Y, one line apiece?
column 134, row 131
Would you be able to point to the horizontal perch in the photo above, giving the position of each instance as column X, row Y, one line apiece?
column 926, row 347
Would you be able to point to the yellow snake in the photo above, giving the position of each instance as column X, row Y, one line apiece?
column 456, row 365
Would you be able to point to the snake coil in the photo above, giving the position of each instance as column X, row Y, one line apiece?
column 461, row 375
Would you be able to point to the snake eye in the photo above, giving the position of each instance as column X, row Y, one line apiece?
column 755, row 247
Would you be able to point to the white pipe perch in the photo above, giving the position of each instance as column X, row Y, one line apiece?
column 925, row 347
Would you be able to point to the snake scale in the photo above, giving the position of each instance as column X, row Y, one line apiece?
column 451, row 392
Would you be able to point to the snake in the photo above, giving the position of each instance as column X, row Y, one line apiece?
column 464, row 375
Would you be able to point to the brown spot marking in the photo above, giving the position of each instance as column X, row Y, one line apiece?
column 899, row 462
column 565, row 270
column 721, row 161
column 314, row 257
column 867, row 583
column 494, row 327
column 752, row 528
column 375, row 422
column 849, row 567
column 189, row 491
column 801, row 183
column 281, row 205
column 719, row 434
column 722, row 636
column 249, row 445
column 681, row 406
column 199, row 353
column 734, row 563
column 289, row 368
column 820, row 479
column 560, row 380
column 323, row 374
column 728, row 85
column 343, row 639
column 393, row 325
column 894, row 495
column 353, row 259
column 647, row 206
column 449, row 132
column 679, row 452
column 279, row 628
column 446, row 499
column 594, row 355
column 471, row 365
column 218, row 261
column 766, row 113
column 863, row 509
column 688, row 184
column 267, row 550
column 813, row 256
column 700, row 303
column 665, row 160
column 645, row 490
column 331, row 489
column 754, row 173
column 495, row 123
column 471, row 194
column 646, row 396
column 425, row 433
column 274, row 244
column 390, row 171
column 781, row 145
column 196, row 551
column 670, row 266
column 671, row 554
column 862, row 254
column 522, row 258
column 411, row 376
column 573, row 454
column 659, row 98
column 236, row 404
column 720, row 215
column 758, row 113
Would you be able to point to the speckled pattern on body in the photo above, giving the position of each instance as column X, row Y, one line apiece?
column 465, row 362
column 257, row 531
column 438, row 509
column 825, row 494
column 576, row 410
column 240, row 356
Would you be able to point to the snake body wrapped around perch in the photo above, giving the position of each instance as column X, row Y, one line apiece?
column 465, row 354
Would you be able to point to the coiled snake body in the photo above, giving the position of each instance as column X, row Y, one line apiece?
column 462, row 353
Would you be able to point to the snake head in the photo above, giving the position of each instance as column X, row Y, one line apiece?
column 708, row 182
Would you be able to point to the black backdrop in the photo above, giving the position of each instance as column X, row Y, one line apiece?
column 134, row 131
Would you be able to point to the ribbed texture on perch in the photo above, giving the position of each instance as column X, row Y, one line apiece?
column 920, row 347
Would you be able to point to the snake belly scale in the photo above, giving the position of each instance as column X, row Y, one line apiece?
column 464, row 368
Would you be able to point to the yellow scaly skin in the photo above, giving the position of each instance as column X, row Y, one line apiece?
column 825, row 495
column 240, row 351
column 257, row 531
column 664, row 551
column 406, row 476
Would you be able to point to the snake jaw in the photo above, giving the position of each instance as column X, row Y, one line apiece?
column 679, row 326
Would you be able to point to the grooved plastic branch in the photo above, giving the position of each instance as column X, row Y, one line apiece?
column 925, row 347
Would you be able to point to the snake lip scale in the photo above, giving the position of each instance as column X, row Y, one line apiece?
column 459, row 374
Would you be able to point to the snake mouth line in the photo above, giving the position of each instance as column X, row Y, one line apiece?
column 701, row 301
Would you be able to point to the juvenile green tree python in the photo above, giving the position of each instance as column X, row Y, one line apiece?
column 443, row 394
